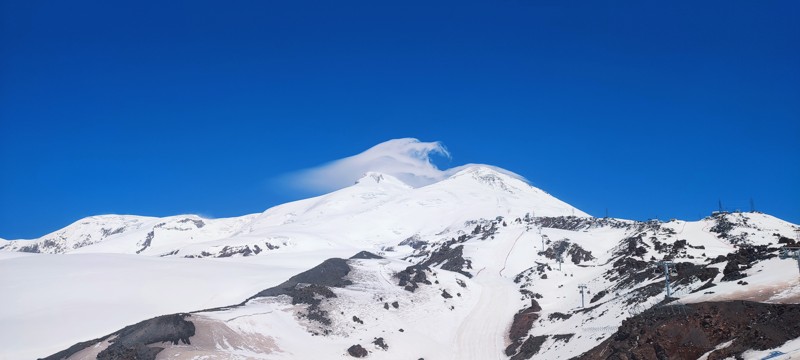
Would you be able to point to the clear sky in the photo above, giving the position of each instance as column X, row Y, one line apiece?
column 644, row 108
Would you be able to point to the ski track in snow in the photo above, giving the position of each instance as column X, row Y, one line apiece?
column 482, row 334
column 505, row 262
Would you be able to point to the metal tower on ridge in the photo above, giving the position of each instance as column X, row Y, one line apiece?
column 792, row 252
column 582, row 288
column 668, row 266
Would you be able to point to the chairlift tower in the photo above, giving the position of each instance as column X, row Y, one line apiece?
column 582, row 288
column 669, row 269
column 792, row 252
column 544, row 237
column 560, row 260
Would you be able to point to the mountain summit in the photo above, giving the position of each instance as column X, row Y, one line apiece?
column 372, row 178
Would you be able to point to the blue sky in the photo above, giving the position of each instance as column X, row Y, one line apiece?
column 643, row 108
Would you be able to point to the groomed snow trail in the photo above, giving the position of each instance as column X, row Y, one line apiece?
column 482, row 334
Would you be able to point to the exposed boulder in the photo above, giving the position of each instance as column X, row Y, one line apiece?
column 380, row 343
column 357, row 351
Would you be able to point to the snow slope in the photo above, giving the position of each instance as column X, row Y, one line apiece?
column 53, row 301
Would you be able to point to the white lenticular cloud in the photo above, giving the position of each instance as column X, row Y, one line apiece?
column 407, row 159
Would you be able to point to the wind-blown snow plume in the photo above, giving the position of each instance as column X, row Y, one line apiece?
column 407, row 159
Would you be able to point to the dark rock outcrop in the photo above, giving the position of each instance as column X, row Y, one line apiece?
column 366, row 255
column 565, row 249
column 415, row 242
column 131, row 343
column 558, row 316
column 331, row 273
column 530, row 347
column 311, row 286
column 563, row 337
column 147, row 242
column 599, row 295
column 412, row 276
column 743, row 259
column 449, row 258
column 197, row 223
column 522, row 324
column 723, row 226
column 689, row 331
column 575, row 223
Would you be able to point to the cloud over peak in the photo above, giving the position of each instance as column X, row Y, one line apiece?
column 407, row 159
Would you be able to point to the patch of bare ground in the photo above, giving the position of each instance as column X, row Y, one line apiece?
column 214, row 339
column 91, row 352
column 779, row 293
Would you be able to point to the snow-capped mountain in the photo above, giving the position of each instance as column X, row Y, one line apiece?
column 394, row 210
column 478, row 266
column 84, row 232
